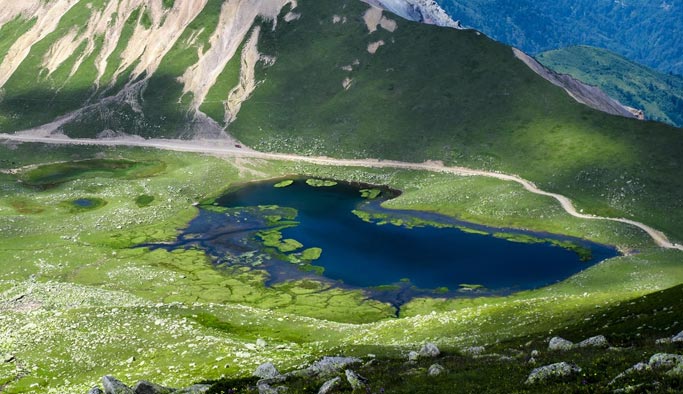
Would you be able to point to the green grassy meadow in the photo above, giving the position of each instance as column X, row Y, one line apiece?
column 78, row 302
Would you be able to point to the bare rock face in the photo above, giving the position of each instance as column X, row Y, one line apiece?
column 423, row 11
column 579, row 91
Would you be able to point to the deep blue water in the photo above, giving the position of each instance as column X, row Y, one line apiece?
column 84, row 203
column 362, row 254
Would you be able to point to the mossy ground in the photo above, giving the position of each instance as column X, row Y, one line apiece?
column 78, row 302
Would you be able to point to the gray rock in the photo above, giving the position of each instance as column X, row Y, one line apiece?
column 267, row 371
column 636, row 368
column 114, row 386
column 330, row 385
column 663, row 341
column 145, row 387
column 429, row 350
column 265, row 388
column 677, row 371
column 8, row 358
column 552, row 371
column 535, row 353
column 561, row 344
column 95, row 390
column 356, row 381
column 435, row 370
column 196, row 389
column 678, row 338
column 261, row 343
column 598, row 341
column 330, row 366
column 474, row 350
column 413, row 356
column 665, row 360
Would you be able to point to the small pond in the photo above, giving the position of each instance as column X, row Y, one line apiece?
column 340, row 233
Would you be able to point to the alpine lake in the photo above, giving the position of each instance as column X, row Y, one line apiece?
column 338, row 232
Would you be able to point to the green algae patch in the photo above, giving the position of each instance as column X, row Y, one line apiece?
column 51, row 175
column 26, row 206
column 320, row 182
column 370, row 194
column 584, row 253
column 144, row 200
column 284, row 183
column 273, row 239
column 311, row 254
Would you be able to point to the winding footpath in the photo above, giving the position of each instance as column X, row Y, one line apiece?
column 222, row 148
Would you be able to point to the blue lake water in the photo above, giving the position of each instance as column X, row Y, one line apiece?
column 361, row 254
column 84, row 203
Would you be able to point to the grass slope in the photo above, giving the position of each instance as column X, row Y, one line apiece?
column 659, row 95
column 457, row 96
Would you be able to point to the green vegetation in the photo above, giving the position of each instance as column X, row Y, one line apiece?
column 370, row 194
column 320, row 182
column 144, row 200
column 659, row 95
column 50, row 175
column 311, row 254
column 273, row 239
column 284, row 183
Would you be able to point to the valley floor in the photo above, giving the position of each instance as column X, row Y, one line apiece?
column 79, row 301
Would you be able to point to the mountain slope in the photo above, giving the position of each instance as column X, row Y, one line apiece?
column 658, row 94
column 339, row 78
column 641, row 30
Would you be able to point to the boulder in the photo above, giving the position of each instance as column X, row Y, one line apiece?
column 677, row 371
column 535, row 353
column 561, row 344
column 264, row 388
column 665, row 360
column 435, row 370
column 356, row 381
column 95, row 390
column 330, row 385
column 678, row 338
column 598, row 341
column 145, row 387
column 474, row 350
column 196, row 389
column 267, row 371
column 429, row 350
column 261, row 343
column 636, row 368
column 552, row 371
column 413, row 356
column 114, row 386
column 327, row 366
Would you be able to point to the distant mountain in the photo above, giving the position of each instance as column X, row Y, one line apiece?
column 646, row 31
column 659, row 95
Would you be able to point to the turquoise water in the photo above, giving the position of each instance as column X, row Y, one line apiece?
column 359, row 254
